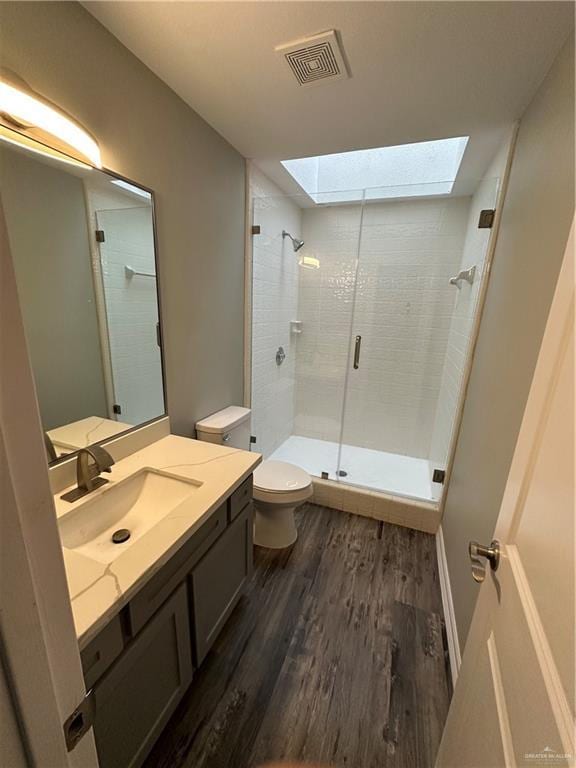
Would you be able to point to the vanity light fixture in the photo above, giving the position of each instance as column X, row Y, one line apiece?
column 309, row 262
column 28, row 120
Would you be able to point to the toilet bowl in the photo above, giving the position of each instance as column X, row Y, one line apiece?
column 279, row 487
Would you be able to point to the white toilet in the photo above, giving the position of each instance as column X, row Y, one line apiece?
column 279, row 487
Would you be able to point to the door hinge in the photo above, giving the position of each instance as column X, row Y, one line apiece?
column 255, row 230
column 117, row 408
column 486, row 220
column 158, row 335
column 438, row 476
column 252, row 439
column 80, row 721
column 100, row 237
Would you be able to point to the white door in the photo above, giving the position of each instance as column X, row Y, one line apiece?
column 514, row 699
column 40, row 664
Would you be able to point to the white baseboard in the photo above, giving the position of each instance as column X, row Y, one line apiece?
column 448, row 605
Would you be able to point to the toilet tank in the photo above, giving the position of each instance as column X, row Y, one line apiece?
column 230, row 427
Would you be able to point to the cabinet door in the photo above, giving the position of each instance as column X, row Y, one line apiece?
column 218, row 579
column 137, row 696
column 101, row 652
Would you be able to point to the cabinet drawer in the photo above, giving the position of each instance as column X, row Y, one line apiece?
column 161, row 586
column 135, row 699
column 102, row 651
column 240, row 498
column 217, row 581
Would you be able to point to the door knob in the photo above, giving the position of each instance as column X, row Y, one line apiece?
column 491, row 553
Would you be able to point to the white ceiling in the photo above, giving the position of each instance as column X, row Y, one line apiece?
column 420, row 70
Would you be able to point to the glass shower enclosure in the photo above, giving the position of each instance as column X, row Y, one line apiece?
column 373, row 318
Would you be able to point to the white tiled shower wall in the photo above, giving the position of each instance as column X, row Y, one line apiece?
column 274, row 305
column 408, row 252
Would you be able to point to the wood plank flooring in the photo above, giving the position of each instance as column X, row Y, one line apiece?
column 335, row 655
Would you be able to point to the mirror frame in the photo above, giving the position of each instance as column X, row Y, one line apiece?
column 42, row 150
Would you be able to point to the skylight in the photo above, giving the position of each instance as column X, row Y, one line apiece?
column 407, row 170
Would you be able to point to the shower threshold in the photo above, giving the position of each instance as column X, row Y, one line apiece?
column 376, row 470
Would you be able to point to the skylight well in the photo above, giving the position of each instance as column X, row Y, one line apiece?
column 408, row 170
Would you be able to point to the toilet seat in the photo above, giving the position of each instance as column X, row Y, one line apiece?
column 278, row 482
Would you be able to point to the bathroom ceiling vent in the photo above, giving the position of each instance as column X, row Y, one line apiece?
column 314, row 59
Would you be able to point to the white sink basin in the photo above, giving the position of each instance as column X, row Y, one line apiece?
column 137, row 504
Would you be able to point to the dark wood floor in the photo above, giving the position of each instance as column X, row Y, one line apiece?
column 335, row 655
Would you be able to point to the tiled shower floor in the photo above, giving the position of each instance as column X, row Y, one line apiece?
column 376, row 470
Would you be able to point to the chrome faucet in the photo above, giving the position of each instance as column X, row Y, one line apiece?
column 88, row 473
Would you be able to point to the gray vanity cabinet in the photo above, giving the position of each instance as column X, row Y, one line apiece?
column 136, row 697
column 217, row 580
column 141, row 662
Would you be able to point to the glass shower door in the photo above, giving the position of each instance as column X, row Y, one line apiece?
column 128, row 274
column 412, row 323
column 326, row 307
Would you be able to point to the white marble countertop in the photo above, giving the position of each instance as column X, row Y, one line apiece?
column 80, row 434
column 98, row 591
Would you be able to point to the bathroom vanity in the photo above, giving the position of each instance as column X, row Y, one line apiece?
column 147, row 616
column 157, row 554
column 141, row 663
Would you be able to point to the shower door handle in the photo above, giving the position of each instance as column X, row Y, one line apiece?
column 357, row 352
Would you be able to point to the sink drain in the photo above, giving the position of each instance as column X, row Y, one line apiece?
column 121, row 535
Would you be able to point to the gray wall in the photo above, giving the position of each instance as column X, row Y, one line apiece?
column 149, row 134
column 48, row 230
column 534, row 229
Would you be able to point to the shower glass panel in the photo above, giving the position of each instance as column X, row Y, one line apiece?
column 302, row 304
column 360, row 337
column 412, row 323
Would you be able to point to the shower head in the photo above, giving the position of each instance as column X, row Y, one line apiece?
column 296, row 244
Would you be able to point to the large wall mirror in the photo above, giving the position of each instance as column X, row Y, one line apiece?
column 83, row 247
